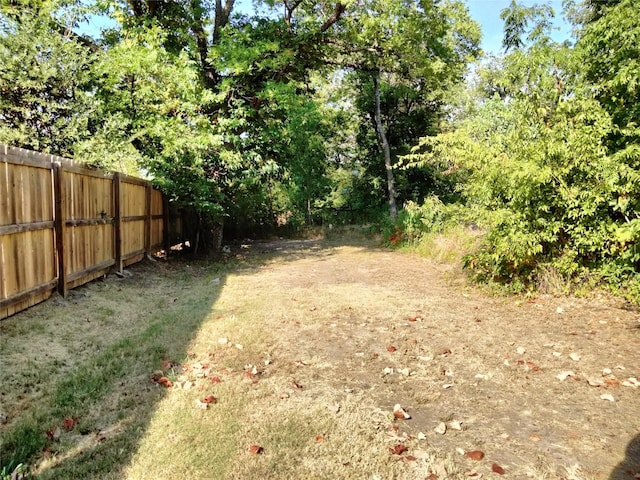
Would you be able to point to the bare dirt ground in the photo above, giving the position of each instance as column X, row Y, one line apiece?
column 544, row 388
column 535, row 384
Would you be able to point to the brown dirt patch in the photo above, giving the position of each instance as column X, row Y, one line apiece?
column 320, row 319
column 490, row 363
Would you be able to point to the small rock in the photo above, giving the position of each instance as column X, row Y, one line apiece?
column 575, row 356
column 521, row 351
column 608, row 397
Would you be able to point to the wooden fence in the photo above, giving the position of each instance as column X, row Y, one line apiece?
column 63, row 225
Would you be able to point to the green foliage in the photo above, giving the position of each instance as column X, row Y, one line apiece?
column 533, row 161
column 44, row 82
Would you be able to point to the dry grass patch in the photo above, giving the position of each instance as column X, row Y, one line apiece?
column 306, row 346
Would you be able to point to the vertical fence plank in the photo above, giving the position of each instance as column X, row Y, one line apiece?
column 60, row 226
column 166, row 239
column 147, row 220
column 117, row 211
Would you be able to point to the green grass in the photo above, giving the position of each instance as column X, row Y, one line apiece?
column 109, row 384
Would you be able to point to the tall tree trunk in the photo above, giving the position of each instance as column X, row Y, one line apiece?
column 391, row 186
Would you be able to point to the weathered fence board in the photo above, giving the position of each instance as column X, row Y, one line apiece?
column 63, row 225
column 27, row 247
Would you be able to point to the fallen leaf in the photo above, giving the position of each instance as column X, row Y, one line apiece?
column 165, row 382
column 474, row 474
column 608, row 397
column 334, row 407
column 209, row 399
column 595, row 382
column 562, row 376
column 400, row 412
column 455, row 425
column 474, row 455
column 611, row 382
column 69, row 423
column 497, row 469
column 53, row 434
column 398, row 449
column 441, row 428
column 391, row 348
column 215, row 380
column 255, row 449
column 439, row 469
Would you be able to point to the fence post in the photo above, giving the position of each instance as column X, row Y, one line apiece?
column 166, row 239
column 117, row 219
column 147, row 220
column 60, row 225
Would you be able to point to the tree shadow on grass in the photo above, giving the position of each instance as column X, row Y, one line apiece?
column 98, row 408
column 96, row 414
column 629, row 468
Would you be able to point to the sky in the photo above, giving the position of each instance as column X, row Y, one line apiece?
column 485, row 12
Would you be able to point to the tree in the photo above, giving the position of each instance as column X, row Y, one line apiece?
column 44, row 82
column 534, row 162
column 413, row 50
column 610, row 47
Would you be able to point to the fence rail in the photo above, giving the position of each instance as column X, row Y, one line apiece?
column 63, row 225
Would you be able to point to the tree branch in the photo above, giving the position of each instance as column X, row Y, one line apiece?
column 335, row 16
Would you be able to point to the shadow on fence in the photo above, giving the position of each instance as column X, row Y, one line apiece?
column 63, row 225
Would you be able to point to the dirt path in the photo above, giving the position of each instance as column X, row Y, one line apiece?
column 544, row 388
column 493, row 364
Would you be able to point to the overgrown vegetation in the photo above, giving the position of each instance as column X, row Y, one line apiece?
column 544, row 154
column 304, row 113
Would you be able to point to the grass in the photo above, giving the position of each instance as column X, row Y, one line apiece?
column 293, row 342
